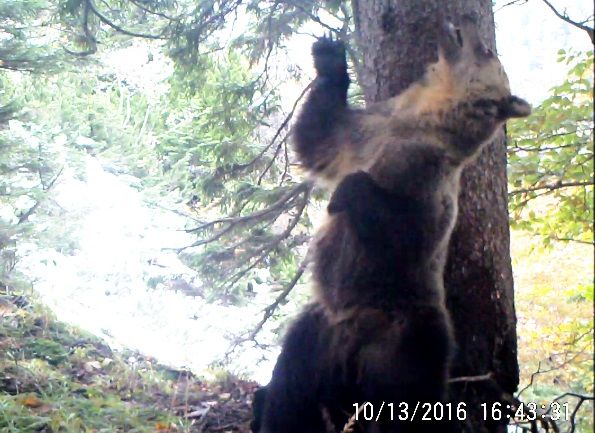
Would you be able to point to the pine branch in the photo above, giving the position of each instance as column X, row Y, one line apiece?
column 154, row 12
column 117, row 27
column 279, row 204
column 267, row 248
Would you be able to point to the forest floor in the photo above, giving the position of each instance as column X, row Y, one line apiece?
column 57, row 378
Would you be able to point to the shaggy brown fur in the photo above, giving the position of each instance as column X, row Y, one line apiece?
column 413, row 145
column 379, row 330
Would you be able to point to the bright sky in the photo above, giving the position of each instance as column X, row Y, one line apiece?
column 528, row 37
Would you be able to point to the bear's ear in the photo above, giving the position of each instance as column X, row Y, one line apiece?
column 450, row 42
column 462, row 42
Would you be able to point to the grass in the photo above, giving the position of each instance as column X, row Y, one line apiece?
column 56, row 378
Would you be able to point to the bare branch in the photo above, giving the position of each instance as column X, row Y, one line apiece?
column 574, row 394
column 511, row 3
column 269, row 246
column 268, row 311
column 531, row 379
column 581, row 399
column 281, row 127
column 286, row 165
column 315, row 18
column 240, row 167
column 565, row 17
column 518, row 148
column 552, row 187
column 480, row 378
column 272, row 161
column 256, row 215
column 554, row 366
column 25, row 216
column 578, row 241
column 153, row 12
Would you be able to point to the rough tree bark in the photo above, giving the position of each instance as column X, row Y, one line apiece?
column 397, row 39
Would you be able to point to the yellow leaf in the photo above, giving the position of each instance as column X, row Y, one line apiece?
column 30, row 400
column 161, row 426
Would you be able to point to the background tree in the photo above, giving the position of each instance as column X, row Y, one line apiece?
column 28, row 164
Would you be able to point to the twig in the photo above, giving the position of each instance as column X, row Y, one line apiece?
column 153, row 12
column 266, row 249
column 552, row 187
column 578, row 241
column 270, row 163
column 25, row 216
column 298, row 189
column 315, row 18
column 479, row 378
column 581, row 399
column 286, row 165
column 272, row 212
column 269, row 38
column 281, row 127
column 566, row 18
column 268, row 311
column 511, row 3
column 555, row 367
column 352, row 421
column 118, row 28
column 222, row 13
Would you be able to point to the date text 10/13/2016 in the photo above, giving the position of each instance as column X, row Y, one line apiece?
column 438, row 411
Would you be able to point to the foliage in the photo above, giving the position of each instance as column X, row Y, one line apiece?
column 551, row 182
column 24, row 42
column 93, row 111
column 551, row 159
column 214, row 150
column 29, row 168
column 555, row 320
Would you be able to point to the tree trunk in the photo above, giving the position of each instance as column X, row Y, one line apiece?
column 397, row 39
